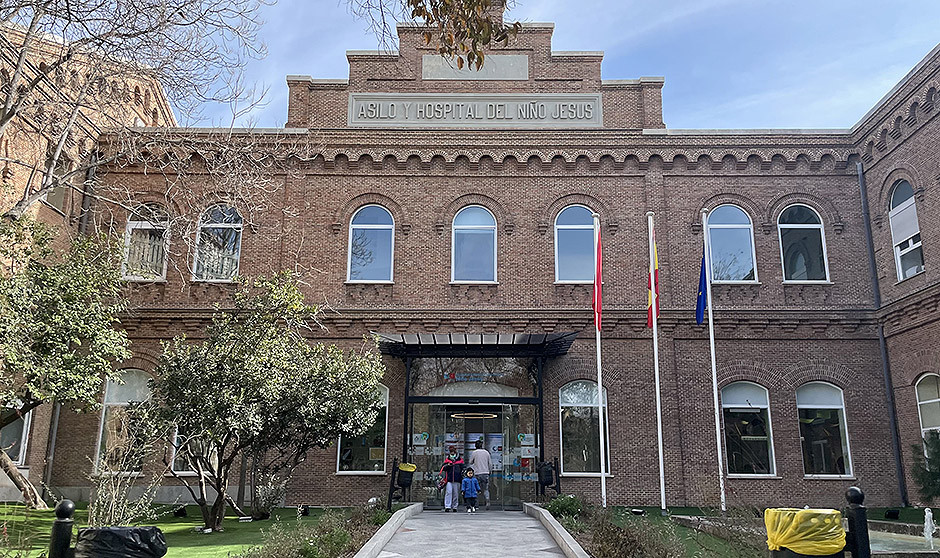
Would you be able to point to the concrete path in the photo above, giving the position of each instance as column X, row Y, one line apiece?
column 493, row 534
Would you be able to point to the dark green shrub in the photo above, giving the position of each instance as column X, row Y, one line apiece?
column 330, row 537
column 567, row 505
column 926, row 470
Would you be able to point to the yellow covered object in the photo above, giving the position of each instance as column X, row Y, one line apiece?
column 810, row 532
column 407, row 467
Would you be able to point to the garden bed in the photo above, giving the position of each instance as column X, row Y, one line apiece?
column 25, row 533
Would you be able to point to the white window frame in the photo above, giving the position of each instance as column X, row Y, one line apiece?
column 770, row 434
column 352, row 230
column 339, row 445
column 24, row 440
column 750, row 227
column 920, row 418
column 453, row 251
column 850, row 466
column 896, row 244
column 561, row 440
column 104, row 408
column 579, row 228
column 202, row 225
column 131, row 225
column 822, row 237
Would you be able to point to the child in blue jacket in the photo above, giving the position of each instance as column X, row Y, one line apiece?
column 470, row 487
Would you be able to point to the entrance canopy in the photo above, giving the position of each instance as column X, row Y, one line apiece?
column 535, row 345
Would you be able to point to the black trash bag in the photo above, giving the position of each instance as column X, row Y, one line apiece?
column 120, row 542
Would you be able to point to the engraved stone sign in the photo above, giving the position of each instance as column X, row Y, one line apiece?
column 497, row 67
column 472, row 110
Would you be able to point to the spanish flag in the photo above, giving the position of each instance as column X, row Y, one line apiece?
column 653, row 286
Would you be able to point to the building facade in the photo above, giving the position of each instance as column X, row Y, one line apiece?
column 449, row 212
column 113, row 97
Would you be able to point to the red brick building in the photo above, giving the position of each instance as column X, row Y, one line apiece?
column 449, row 211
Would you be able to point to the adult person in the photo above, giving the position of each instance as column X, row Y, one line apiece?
column 480, row 462
column 453, row 473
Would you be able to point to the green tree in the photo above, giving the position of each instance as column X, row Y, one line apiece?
column 257, row 385
column 58, row 312
column 926, row 469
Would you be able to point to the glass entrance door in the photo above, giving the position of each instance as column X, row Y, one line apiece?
column 507, row 432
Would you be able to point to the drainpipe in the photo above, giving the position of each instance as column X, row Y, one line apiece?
column 87, row 192
column 885, row 365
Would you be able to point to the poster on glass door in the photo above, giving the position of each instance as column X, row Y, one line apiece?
column 494, row 444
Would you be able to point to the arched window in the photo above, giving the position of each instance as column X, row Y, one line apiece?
column 114, row 437
column 14, row 436
column 147, row 239
column 905, row 231
column 802, row 245
column 928, row 403
column 580, row 450
column 365, row 454
column 371, row 245
column 574, row 245
column 823, row 432
column 218, row 245
column 473, row 257
column 748, row 435
column 731, row 244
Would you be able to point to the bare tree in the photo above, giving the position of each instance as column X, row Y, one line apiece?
column 72, row 69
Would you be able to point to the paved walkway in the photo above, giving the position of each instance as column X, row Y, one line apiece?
column 494, row 534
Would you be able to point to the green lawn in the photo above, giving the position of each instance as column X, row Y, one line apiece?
column 30, row 529
column 696, row 543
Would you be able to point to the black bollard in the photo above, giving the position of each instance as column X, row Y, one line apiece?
column 61, row 544
column 856, row 537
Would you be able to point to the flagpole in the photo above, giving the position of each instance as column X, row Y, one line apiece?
column 659, row 409
column 597, row 342
column 711, row 342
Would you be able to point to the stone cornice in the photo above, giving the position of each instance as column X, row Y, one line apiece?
column 910, row 312
column 622, row 324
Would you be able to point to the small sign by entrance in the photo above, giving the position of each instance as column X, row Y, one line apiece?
column 526, row 439
column 420, row 439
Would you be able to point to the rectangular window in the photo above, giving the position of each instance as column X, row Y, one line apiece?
column 13, row 436
column 365, row 453
column 580, row 441
column 146, row 252
column 747, row 439
column 910, row 257
column 474, row 255
column 217, row 253
column 824, row 440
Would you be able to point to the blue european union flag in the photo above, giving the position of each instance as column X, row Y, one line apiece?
column 702, row 297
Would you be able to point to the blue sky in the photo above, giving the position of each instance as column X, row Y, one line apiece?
column 727, row 63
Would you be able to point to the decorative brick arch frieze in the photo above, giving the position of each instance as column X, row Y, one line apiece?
column 905, row 120
column 818, row 370
column 549, row 214
column 749, row 206
column 749, row 371
column 824, row 207
column 345, row 212
column 700, row 158
column 504, row 221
